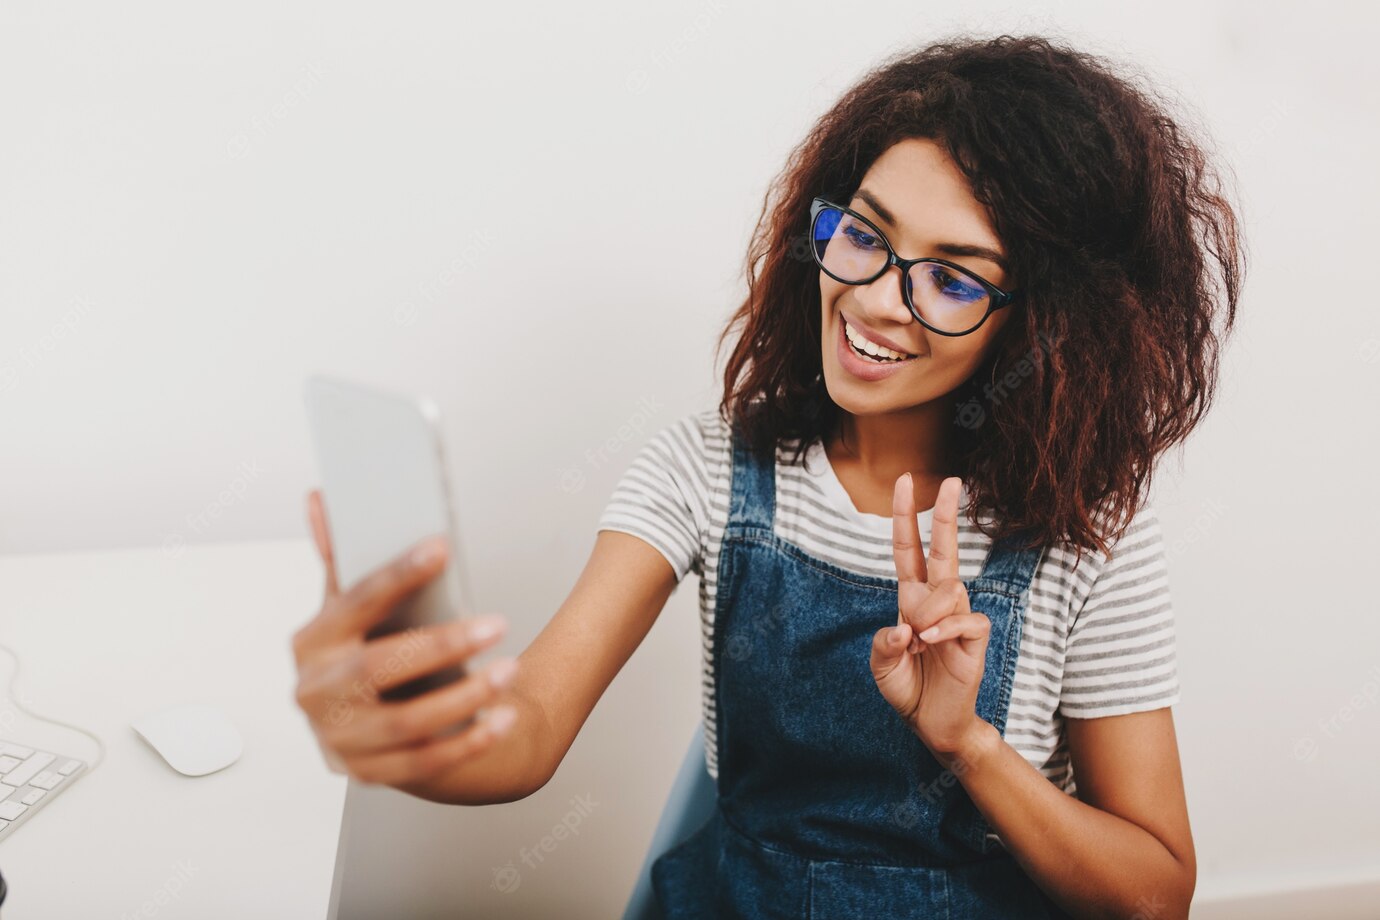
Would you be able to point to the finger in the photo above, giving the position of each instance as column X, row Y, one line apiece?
column 334, row 762
column 906, row 548
column 893, row 668
column 316, row 514
column 427, row 760
column 372, row 599
column 958, row 626
column 946, row 599
column 889, row 647
column 943, row 557
column 416, row 653
column 405, row 724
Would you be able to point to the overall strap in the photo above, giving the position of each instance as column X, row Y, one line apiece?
column 1012, row 565
column 753, row 500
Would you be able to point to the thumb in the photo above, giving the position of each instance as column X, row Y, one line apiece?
column 889, row 647
column 316, row 514
column 894, row 667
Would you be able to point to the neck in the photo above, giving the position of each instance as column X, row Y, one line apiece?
column 917, row 440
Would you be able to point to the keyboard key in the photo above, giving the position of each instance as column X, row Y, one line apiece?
column 26, row 771
column 46, row 780
column 31, row 780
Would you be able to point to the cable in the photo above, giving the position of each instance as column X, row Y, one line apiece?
column 9, row 693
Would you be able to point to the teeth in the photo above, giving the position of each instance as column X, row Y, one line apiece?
column 869, row 346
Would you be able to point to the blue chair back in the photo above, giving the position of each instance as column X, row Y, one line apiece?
column 689, row 805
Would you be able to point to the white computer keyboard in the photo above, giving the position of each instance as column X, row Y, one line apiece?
column 30, row 779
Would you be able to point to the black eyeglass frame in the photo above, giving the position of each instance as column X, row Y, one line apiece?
column 996, row 297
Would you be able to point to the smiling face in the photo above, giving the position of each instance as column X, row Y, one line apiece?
column 918, row 198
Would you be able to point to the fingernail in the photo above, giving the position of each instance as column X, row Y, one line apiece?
column 930, row 633
column 486, row 627
column 502, row 671
column 894, row 636
column 500, row 720
column 427, row 553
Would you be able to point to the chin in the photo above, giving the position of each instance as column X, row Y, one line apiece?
column 913, row 387
column 857, row 397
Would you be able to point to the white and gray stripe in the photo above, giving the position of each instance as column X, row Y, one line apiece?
column 1098, row 638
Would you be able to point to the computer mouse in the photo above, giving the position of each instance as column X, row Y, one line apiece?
column 193, row 739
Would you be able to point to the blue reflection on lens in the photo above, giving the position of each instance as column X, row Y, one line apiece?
column 862, row 239
column 826, row 223
column 952, row 287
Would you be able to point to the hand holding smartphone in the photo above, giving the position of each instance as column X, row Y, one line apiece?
column 381, row 668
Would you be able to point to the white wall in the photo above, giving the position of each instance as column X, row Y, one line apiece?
column 200, row 204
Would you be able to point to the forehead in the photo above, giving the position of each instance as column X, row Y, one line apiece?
column 923, row 188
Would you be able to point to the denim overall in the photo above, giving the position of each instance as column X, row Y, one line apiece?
column 828, row 805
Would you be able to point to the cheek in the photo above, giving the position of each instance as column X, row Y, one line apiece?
column 964, row 354
column 828, row 292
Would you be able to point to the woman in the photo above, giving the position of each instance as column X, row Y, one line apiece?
column 991, row 284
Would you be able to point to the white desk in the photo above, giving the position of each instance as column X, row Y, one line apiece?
column 105, row 637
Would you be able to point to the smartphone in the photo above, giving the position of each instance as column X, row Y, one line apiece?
column 383, row 480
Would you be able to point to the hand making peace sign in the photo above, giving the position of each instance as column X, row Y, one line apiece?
column 929, row 666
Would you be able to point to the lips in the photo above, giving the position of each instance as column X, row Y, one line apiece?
column 869, row 348
column 862, row 366
column 869, row 344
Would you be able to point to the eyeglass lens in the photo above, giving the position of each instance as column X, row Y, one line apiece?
column 949, row 299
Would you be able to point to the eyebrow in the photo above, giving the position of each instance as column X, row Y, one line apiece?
column 953, row 249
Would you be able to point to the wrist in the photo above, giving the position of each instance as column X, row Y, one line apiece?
column 971, row 747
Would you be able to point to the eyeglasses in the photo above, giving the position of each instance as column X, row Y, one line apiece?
column 944, row 297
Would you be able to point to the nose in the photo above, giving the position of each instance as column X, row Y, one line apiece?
column 882, row 301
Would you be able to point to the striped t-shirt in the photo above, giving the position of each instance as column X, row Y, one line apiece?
column 1098, row 637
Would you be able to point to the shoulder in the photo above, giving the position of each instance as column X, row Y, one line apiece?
column 693, row 446
column 666, row 495
column 1121, row 653
column 689, row 459
column 1136, row 551
column 1136, row 555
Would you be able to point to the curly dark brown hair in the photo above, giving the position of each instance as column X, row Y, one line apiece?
column 1127, row 250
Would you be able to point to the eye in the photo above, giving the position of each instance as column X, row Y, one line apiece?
column 861, row 238
column 954, row 287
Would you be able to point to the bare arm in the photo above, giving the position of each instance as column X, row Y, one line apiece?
column 1123, row 848
column 498, row 733
column 564, row 672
